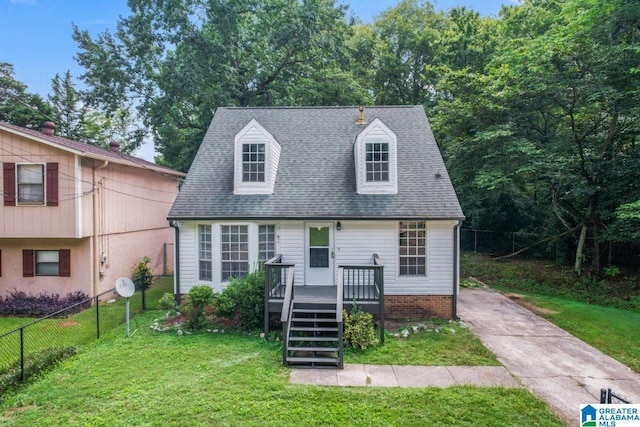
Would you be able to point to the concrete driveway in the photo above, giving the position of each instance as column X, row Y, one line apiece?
column 556, row 366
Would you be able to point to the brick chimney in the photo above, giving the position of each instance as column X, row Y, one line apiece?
column 48, row 128
column 114, row 146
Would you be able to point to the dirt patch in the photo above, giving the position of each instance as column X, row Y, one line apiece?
column 519, row 299
column 9, row 412
column 69, row 323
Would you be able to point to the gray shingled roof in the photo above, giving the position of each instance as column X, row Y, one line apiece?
column 316, row 173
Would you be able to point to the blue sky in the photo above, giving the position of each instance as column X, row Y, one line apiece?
column 35, row 35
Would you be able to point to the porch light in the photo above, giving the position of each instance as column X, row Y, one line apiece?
column 338, row 226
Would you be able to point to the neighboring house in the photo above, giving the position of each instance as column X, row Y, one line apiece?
column 319, row 191
column 75, row 216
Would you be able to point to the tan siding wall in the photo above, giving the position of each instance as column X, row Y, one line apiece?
column 38, row 221
column 11, row 279
column 126, row 250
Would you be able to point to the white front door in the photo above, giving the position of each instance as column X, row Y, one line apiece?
column 319, row 254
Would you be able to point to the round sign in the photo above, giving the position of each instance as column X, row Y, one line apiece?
column 125, row 287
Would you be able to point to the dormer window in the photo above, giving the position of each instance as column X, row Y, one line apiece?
column 375, row 153
column 257, row 154
column 377, row 161
column 253, row 162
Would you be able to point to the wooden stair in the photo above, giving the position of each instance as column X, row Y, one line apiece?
column 314, row 338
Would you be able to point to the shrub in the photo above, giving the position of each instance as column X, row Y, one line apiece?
column 245, row 294
column 38, row 362
column 195, row 302
column 142, row 274
column 168, row 301
column 359, row 331
column 21, row 304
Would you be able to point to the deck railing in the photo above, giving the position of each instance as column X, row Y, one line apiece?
column 365, row 284
column 276, row 275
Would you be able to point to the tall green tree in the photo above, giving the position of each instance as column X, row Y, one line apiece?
column 17, row 106
column 555, row 115
column 176, row 61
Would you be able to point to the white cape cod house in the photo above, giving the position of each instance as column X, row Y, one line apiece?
column 341, row 203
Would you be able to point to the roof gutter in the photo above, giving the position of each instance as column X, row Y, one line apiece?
column 456, row 268
column 176, row 258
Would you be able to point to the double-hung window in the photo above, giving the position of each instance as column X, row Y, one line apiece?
column 46, row 263
column 266, row 242
column 204, row 253
column 412, row 245
column 235, row 251
column 30, row 184
column 253, row 162
column 377, row 161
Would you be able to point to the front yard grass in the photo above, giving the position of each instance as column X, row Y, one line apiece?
column 440, row 344
column 233, row 379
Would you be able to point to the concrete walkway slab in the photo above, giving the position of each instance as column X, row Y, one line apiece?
column 556, row 366
column 359, row 375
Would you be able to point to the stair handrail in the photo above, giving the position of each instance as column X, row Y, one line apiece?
column 340, row 295
column 288, row 295
column 339, row 307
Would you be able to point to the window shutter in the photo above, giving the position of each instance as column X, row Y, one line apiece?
column 65, row 262
column 9, row 179
column 27, row 263
column 52, row 184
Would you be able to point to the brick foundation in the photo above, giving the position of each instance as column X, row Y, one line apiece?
column 418, row 306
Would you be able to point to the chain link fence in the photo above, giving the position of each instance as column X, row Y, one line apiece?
column 561, row 251
column 70, row 328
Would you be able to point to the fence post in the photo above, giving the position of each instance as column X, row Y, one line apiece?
column 97, row 319
column 22, row 354
column 144, row 285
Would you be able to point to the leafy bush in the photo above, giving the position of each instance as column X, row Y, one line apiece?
column 359, row 331
column 21, row 304
column 168, row 301
column 38, row 362
column 142, row 274
column 195, row 302
column 245, row 294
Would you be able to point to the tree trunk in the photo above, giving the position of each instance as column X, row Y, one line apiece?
column 583, row 236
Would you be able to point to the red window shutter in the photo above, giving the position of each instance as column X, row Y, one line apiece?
column 9, row 179
column 65, row 262
column 52, row 184
column 27, row 263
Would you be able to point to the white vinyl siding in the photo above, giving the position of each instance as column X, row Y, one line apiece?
column 355, row 243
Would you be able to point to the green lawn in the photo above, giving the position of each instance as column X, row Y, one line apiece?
column 164, row 379
column 444, row 345
column 9, row 323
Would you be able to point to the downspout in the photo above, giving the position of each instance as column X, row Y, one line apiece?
column 456, row 267
column 95, row 264
column 176, row 261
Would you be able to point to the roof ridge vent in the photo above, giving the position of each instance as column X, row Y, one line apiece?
column 361, row 120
